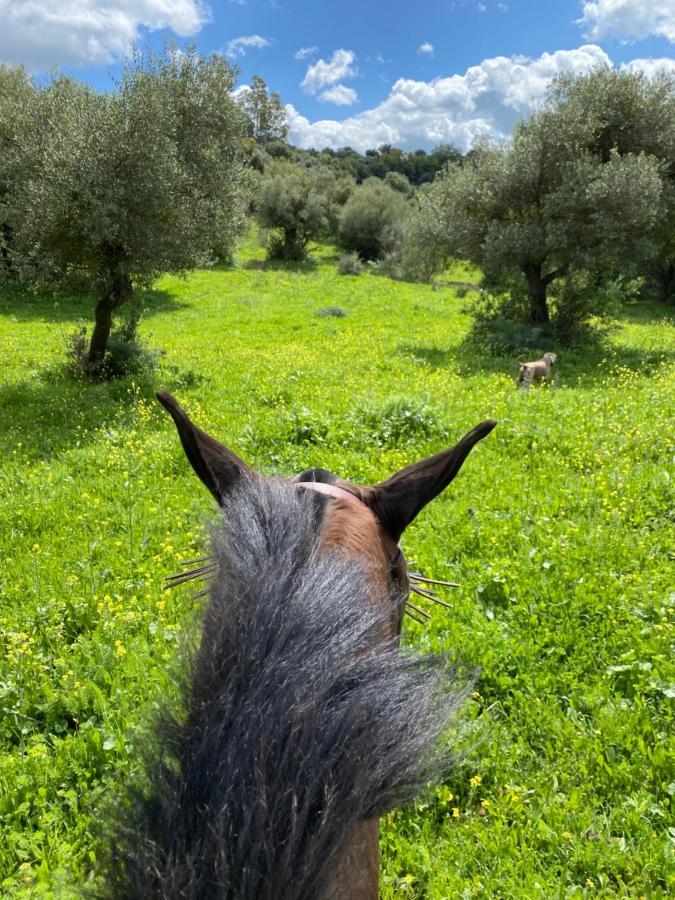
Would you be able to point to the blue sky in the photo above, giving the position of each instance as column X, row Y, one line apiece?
column 362, row 73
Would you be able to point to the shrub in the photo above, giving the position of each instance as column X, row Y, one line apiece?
column 335, row 312
column 424, row 248
column 350, row 264
column 303, row 426
column 371, row 220
column 292, row 204
column 399, row 183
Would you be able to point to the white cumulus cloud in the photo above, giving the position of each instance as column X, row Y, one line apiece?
column 238, row 46
column 323, row 74
column 45, row 33
column 305, row 52
column 426, row 47
column 339, row 95
column 483, row 102
column 629, row 20
column 651, row 67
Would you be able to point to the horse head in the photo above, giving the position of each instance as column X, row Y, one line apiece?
column 304, row 720
column 363, row 522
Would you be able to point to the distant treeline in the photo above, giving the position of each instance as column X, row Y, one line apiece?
column 419, row 166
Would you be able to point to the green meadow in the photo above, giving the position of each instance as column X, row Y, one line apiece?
column 559, row 529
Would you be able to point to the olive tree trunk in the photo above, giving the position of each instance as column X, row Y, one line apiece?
column 537, row 287
column 118, row 290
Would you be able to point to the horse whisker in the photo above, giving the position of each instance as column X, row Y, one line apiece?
column 191, row 573
column 192, row 562
column 430, row 592
column 428, row 596
column 418, row 610
column 205, row 576
column 413, row 616
column 417, row 576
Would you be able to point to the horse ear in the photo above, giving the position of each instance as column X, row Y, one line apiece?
column 398, row 500
column 218, row 467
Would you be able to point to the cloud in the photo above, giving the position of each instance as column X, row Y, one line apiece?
column 426, row 47
column 485, row 101
column 340, row 95
column 651, row 67
column 503, row 7
column 238, row 46
column 305, row 52
column 629, row 20
column 46, row 33
column 323, row 74
column 482, row 7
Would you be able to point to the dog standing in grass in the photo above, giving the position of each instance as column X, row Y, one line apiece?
column 537, row 370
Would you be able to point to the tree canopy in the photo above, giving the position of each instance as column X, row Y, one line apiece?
column 574, row 193
column 264, row 110
column 111, row 190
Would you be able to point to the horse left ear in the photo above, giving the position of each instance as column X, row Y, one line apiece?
column 218, row 467
column 399, row 499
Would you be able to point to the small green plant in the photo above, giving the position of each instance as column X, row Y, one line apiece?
column 303, row 426
column 350, row 264
column 335, row 312
column 398, row 420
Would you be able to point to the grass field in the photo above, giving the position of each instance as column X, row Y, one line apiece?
column 558, row 528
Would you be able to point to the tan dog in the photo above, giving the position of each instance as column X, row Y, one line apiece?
column 537, row 370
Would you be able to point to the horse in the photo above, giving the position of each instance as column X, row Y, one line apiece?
column 304, row 720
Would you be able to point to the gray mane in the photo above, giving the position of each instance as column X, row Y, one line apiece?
column 294, row 728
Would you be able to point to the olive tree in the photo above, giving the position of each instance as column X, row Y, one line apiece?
column 17, row 93
column 545, row 207
column 115, row 189
column 627, row 112
column 298, row 206
column 371, row 220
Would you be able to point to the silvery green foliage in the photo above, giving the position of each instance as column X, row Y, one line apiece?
column 16, row 92
column 627, row 112
column 371, row 220
column 113, row 189
column 562, row 198
column 297, row 205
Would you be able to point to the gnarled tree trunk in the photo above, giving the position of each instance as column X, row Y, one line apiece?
column 537, row 286
column 117, row 291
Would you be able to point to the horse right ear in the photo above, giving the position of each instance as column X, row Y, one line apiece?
column 398, row 500
column 218, row 467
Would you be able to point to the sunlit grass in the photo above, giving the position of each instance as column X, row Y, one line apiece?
column 558, row 529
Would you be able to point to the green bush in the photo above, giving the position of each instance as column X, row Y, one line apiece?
column 350, row 264
column 335, row 312
column 293, row 205
column 371, row 220
column 399, row 183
